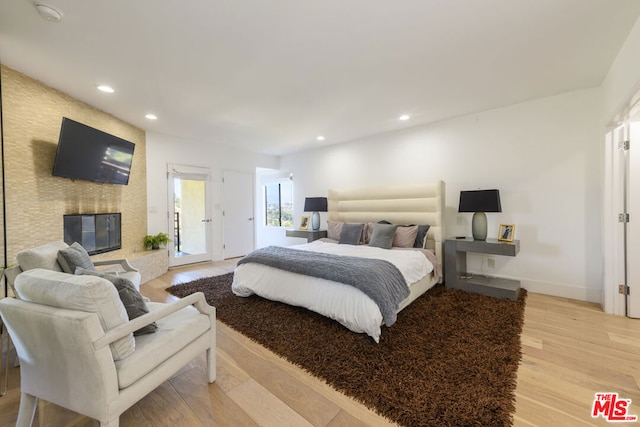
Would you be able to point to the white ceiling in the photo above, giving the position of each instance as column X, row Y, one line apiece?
column 272, row 75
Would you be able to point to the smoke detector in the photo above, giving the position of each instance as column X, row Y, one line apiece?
column 48, row 12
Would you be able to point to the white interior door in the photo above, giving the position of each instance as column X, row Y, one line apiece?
column 614, row 232
column 189, row 215
column 239, row 224
column 622, row 198
column 633, row 207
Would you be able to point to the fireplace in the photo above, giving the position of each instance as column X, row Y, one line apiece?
column 97, row 233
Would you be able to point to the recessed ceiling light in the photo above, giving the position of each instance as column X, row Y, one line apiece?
column 151, row 116
column 320, row 138
column 105, row 89
column 48, row 13
column 404, row 117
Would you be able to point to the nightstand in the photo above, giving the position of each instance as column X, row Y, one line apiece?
column 455, row 267
column 310, row 235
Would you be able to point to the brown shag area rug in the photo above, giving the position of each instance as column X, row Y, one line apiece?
column 451, row 359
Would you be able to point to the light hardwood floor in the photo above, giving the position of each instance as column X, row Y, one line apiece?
column 571, row 350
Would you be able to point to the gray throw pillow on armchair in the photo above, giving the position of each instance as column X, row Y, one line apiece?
column 130, row 297
column 73, row 257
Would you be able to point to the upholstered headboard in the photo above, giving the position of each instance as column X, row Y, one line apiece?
column 415, row 204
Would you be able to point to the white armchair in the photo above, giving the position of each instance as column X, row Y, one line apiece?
column 77, row 350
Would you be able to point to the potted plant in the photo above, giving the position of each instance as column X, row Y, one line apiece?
column 154, row 242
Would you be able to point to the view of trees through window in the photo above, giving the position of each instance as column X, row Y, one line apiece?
column 279, row 204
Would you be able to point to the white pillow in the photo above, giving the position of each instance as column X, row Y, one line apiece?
column 45, row 256
column 84, row 293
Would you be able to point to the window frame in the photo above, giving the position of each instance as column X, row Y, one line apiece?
column 279, row 204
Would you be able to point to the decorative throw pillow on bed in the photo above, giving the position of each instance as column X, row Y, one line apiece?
column 366, row 233
column 382, row 236
column 421, row 237
column 74, row 256
column 405, row 236
column 130, row 297
column 351, row 234
column 334, row 228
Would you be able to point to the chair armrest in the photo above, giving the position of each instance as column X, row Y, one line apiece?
column 10, row 275
column 122, row 262
column 196, row 299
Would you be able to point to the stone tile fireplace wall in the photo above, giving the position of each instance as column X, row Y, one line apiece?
column 35, row 200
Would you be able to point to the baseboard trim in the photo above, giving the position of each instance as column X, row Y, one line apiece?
column 564, row 291
column 560, row 290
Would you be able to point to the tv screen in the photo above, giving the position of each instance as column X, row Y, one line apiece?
column 97, row 233
column 92, row 155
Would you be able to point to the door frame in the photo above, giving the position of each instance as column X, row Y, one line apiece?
column 198, row 172
column 617, row 188
column 613, row 230
column 632, row 241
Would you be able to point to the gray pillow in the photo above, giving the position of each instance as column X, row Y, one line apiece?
column 130, row 297
column 351, row 234
column 422, row 236
column 74, row 256
column 420, row 241
column 382, row 236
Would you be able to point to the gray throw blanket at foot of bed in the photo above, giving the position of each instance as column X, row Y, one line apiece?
column 378, row 279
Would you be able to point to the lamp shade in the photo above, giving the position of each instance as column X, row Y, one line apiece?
column 315, row 204
column 480, row 201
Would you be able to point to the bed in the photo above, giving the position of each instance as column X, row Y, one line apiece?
column 397, row 208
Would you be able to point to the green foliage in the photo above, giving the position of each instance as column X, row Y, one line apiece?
column 278, row 217
column 154, row 242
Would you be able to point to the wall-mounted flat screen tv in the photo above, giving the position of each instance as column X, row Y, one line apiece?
column 97, row 233
column 92, row 155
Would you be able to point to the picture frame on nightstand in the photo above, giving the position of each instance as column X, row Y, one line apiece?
column 506, row 232
column 304, row 222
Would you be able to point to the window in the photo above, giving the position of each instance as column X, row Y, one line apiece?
column 278, row 198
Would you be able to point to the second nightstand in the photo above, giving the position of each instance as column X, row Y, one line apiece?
column 455, row 267
column 310, row 235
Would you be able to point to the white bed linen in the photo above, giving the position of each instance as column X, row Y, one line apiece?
column 343, row 303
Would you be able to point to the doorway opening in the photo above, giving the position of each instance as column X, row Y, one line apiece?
column 189, row 215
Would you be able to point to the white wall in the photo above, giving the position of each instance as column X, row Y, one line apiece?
column 544, row 156
column 623, row 78
column 163, row 149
